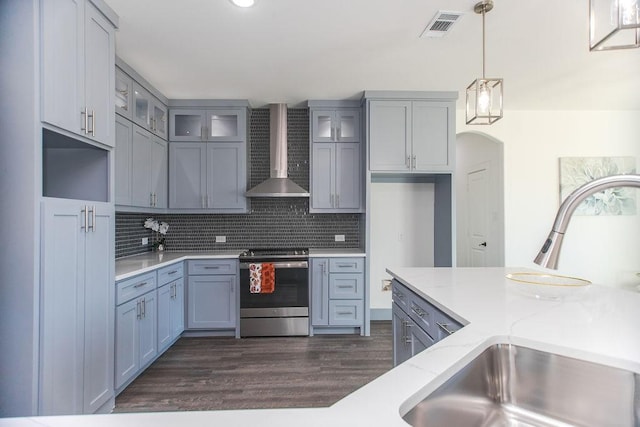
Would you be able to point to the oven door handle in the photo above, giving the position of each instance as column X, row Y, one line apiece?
column 283, row 264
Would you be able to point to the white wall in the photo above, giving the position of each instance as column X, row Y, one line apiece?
column 402, row 216
column 602, row 249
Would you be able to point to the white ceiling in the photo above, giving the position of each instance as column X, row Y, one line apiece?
column 295, row 50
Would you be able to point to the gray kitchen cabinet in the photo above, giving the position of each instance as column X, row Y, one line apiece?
column 335, row 125
column 411, row 135
column 208, row 176
column 136, row 326
column 401, row 351
column 77, row 333
column 148, row 111
column 170, row 305
column 319, row 291
column 212, row 295
column 336, row 178
column 208, row 124
column 123, row 161
column 148, row 169
column 124, row 94
column 417, row 324
column 78, row 54
column 337, row 295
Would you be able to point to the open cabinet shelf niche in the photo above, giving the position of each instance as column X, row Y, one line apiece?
column 72, row 169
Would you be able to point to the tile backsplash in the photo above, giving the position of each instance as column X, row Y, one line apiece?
column 272, row 222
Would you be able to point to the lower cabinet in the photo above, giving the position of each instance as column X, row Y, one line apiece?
column 76, row 362
column 149, row 318
column 136, row 336
column 212, row 296
column 337, row 294
column 416, row 324
column 170, row 313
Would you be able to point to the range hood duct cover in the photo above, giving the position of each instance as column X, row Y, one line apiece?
column 278, row 185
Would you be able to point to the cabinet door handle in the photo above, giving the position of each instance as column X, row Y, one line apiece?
column 150, row 199
column 414, row 162
column 93, row 123
column 138, row 310
column 444, row 327
column 139, row 285
column 172, row 272
column 345, row 287
column 337, row 200
column 155, row 200
column 85, row 213
column 407, row 162
column 344, row 313
column 211, row 267
column 144, row 308
column 407, row 338
column 92, row 226
column 85, row 120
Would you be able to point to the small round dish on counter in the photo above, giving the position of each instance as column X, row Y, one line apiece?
column 548, row 286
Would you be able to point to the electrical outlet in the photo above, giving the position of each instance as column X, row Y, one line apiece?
column 339, row 237
column 221, row 239
column 145, row 241
column 386, row 285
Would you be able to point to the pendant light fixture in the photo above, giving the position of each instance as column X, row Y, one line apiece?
column 484, row 95
column 614, row 24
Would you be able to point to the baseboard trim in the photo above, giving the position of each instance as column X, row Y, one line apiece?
column 381, row 314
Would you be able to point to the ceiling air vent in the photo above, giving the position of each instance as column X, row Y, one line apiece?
column 441, row 24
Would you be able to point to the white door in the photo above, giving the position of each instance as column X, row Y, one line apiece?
column 477, row 215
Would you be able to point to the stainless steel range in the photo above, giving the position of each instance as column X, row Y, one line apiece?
column 285, row 311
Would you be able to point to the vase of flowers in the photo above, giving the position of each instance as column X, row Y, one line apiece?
column 159, row 229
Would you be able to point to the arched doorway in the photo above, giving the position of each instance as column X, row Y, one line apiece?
column 479, row 200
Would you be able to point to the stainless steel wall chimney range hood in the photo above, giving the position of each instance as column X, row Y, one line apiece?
column 278, row 185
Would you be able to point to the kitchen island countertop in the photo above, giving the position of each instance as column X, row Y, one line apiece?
column 599, row 325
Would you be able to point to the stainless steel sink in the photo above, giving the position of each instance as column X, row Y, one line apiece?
column 508, row 385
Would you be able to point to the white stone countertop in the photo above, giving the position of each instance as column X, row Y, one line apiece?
column 137, row 264
column 599, row 324
column 336, row 252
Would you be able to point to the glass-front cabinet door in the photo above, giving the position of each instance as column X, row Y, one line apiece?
column 226, row 125
column 159, row 119
column 336, row 125
column 141, row 102
column 187, row 125
column 347, row 124
column 123, row 97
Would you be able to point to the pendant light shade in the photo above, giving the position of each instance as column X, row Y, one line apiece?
column 484, row 95
column 614, row 24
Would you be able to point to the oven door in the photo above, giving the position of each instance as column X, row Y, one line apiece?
column 290, row 297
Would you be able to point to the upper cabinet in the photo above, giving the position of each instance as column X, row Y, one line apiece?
column 139, row 102
column 78, row 54
column 210, row 124
column 415, row 134
column 335, row 125
column 337, row 178
column 123, row 94
column 148, row 111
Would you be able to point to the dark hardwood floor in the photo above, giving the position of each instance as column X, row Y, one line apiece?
column 252, row 373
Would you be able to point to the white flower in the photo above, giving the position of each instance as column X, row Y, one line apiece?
column 155, row 226
column 150, row 222
column 163, row 228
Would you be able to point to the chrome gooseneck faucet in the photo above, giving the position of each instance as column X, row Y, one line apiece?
column 550, row 252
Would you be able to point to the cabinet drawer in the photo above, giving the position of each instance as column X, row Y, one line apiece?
column 346, row 286
column 346, row 312
column 346, row 265
column 170, row 273
column 132, row 288
column 445, row 326
column 424, row 314
column 213, row 266
column 400, row 295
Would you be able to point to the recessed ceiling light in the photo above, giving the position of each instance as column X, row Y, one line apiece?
column 243, row 3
